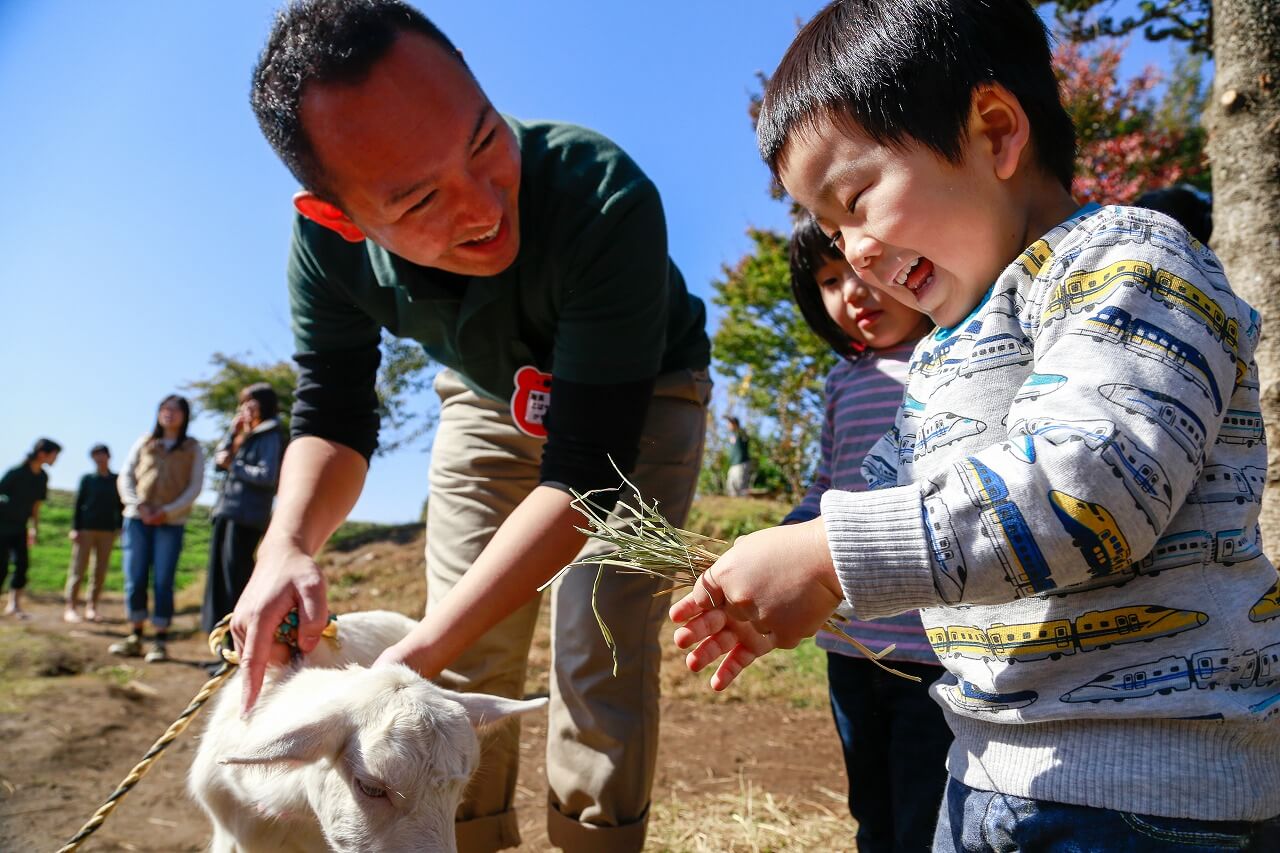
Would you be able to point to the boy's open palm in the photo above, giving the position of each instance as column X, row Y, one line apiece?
column 770, row 590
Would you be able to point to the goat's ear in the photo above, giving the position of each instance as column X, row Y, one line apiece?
column 305, row 741
column 485, row 710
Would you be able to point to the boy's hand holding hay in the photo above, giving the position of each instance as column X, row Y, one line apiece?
column 770, row 590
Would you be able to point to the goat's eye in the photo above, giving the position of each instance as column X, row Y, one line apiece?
column 370, row 790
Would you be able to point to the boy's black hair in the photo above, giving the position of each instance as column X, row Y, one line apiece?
column 810, row 249
column 904, row 71
column 1192, row 208
column 320, row 42
column 157, row 433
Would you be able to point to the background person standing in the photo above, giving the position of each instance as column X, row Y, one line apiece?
column 738, row 482
column 97, row 520
column 250, row 455
column 22, row 489
column 159, row 484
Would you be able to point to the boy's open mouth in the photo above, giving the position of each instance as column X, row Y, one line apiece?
column 915, row 275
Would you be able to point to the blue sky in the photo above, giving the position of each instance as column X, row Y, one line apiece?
column 146, row 222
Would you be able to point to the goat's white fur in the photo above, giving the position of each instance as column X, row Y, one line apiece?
column 298, row 774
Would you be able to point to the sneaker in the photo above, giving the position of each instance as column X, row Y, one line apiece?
column 130, row 647
column 70, row 615
column 91, row 614
column 157, row 653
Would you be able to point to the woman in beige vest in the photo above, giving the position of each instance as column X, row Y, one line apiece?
column 158, row 485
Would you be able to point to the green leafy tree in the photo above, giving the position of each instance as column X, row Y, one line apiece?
column 406, row 371
column 775, row 364
column 1187, row 21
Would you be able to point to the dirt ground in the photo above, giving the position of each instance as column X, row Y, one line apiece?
column 755, row 775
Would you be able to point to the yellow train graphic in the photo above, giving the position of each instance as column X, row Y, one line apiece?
column 1083, row 290
column 1094, row 531
column 1095, row 629
column 1034, row 257
column 1179, row 293
column 1267, row 607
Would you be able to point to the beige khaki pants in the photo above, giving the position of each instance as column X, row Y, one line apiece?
column 97, row 542
column 602, row 731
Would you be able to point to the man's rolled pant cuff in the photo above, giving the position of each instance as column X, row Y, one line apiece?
column 489, row 833
column 573, row 836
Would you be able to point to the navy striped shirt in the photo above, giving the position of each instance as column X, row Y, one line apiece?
column 863, row 397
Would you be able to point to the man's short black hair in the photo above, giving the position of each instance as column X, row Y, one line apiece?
column 99, row 448
column 319, row 42
column 905, row 71
column 1191, row 207
column 810, row 249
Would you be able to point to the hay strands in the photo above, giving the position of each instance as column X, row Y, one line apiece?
column 645, row 542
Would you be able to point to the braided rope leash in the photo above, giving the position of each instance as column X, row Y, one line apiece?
column 220, row 645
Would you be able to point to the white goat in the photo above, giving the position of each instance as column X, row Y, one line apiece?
column 349, row 759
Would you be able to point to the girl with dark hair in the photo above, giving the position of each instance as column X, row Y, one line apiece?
column 158, row 485
column 250, row 454
column 22, row 489
column 893, row 735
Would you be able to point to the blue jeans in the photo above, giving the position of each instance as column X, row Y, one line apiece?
column 147, row 547
column 976, row 821
column 895, row 742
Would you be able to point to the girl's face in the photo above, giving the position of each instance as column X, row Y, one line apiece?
column 250, row 411
column 865, row 314
column 170, row 416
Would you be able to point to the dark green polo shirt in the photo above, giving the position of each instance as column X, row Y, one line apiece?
column 592, row 297
column 19, row 491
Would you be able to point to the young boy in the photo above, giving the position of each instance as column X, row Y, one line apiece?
column 1075, row 477
column 892, row 733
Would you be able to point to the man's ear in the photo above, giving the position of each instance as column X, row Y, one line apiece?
column 330, row 216
column 1000, row 126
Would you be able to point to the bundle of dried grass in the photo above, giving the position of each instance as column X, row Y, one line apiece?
column 645, row 542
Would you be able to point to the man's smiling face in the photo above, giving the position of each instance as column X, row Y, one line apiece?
column 929, row 233
column 419, row 160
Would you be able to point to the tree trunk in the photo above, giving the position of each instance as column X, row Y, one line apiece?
column 1244, row 148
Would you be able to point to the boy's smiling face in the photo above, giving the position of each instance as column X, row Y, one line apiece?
column 932, row 234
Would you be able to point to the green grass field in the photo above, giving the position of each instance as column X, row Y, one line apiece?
column 52, row 554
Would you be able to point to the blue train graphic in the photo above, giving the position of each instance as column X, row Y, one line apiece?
column 1268, row 606
column 945, row 428
column 995, row 351
column 1224, row 484
column 970, row 698
column 1039, row 384
column 906, row 442
column 1096, row 434
column 1084, row 290
column 945, row 546
column 1057, row 638
column 1191, row 548
column 878, row 471
column 1141, row 474
column 939, row 359
column 1182, row 424
column 1022, row 448
column 1003, row 523
column 1237, row 546
column 1093, row 529
column 911, row 407
column 1241, row 427
column 1150, row 341
column 1209, row 669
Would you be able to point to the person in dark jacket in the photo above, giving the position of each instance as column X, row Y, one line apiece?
column 250, row 454
column 22, row 489
column 94, row 528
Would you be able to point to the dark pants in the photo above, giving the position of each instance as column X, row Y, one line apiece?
column 230, row 565
column 976, row 821
column 895, row 750
column 15, row 544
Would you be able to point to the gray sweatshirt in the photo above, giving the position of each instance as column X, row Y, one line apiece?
column 1071, row 492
